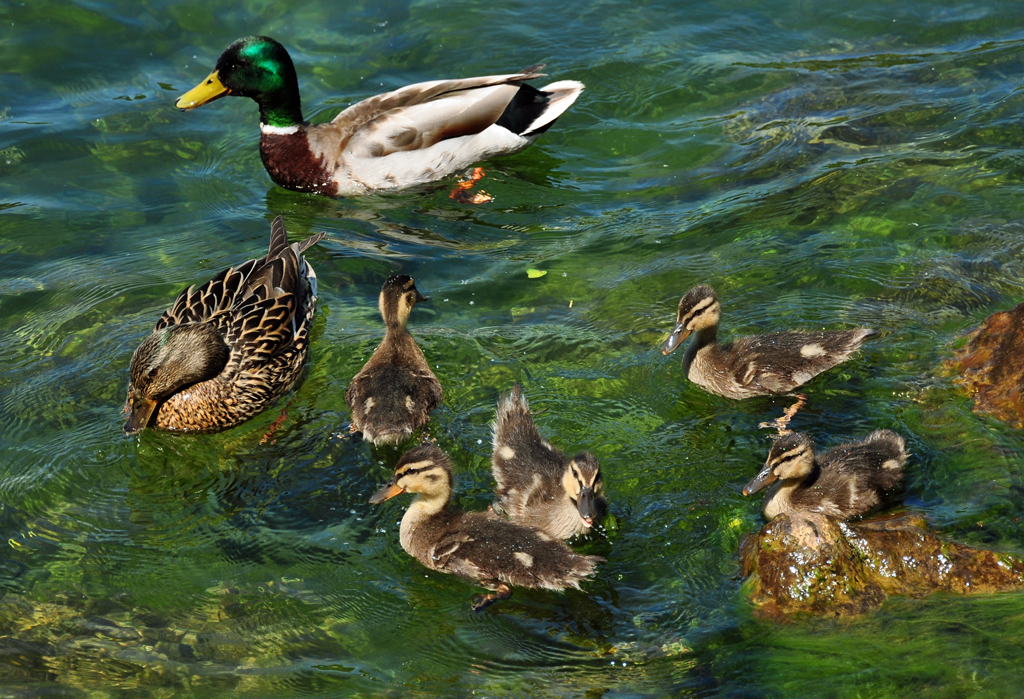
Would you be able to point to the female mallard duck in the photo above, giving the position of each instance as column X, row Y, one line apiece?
column 537, row 485
column 753, row 366
column 224, row 351
column 392, row 395
column 417, row 134
column 477, row 546
column 846, row 481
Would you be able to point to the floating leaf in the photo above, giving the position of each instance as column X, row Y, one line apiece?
column 536, row 273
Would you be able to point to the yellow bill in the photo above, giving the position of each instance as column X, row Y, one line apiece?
column 206, row 91
column 386, row 493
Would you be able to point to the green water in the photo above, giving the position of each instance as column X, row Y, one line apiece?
column 822, row 164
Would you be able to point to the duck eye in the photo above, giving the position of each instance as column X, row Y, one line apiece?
column 152, row 373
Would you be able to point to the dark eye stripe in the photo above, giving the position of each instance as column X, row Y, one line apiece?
column 414, row 471
column 697, row 310
column 689, row 316
column 789, row 456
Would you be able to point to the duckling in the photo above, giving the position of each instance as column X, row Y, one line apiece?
column 392, row 395
column 537, row 485
column 774, row 363
column 417, row 134
column 846, row 481
column 221, row 353
column 479, row 547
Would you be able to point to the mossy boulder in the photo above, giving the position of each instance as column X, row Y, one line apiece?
column 991, row 366
column 817, row 564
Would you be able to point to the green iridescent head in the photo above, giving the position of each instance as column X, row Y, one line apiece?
column 257, row 67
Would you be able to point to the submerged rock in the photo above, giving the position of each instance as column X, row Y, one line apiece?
column 992, row 366
column 802, row 562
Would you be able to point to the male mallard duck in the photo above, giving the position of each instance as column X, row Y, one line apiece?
column 537, row 485
column 753, row 366
column 224, row 351
column 846, row 481
column 392, row 395
column 417, row 134
column 477, row 546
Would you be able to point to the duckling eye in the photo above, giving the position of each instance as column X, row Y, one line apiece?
column 575, row 474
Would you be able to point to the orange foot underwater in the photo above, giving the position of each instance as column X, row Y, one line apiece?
column 780, row 423
column 460, row 192
column 273, row 427
column 481, row 602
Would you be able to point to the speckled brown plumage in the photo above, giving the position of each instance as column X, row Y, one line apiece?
column 393, row 394
column 477, row 546
column 846, row 481
column 760, row 365
column 534, row 478
column 222, row 352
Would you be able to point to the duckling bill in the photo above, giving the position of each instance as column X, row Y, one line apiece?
column 417, row 134
column 846, row 481
column 393, row 394
column 479, row 547
column 769, row 364
column 223, row 352
column 537, row 485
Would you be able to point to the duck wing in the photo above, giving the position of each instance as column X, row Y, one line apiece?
column 855, row 477
column 418, row 116
column 780, row 362
column 484, row 548
column 875, row 462
column 209, row 301
column 260, row 306
column 521, row 454
column 276, row 303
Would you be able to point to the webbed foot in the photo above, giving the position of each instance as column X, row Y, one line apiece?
column 460, row 192
column 779, row 423
column 273, row 427
column 481, row 602
column 352, row 434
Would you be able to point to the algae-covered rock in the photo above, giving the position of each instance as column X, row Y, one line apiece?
column 992, row 366
column 812, row 563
